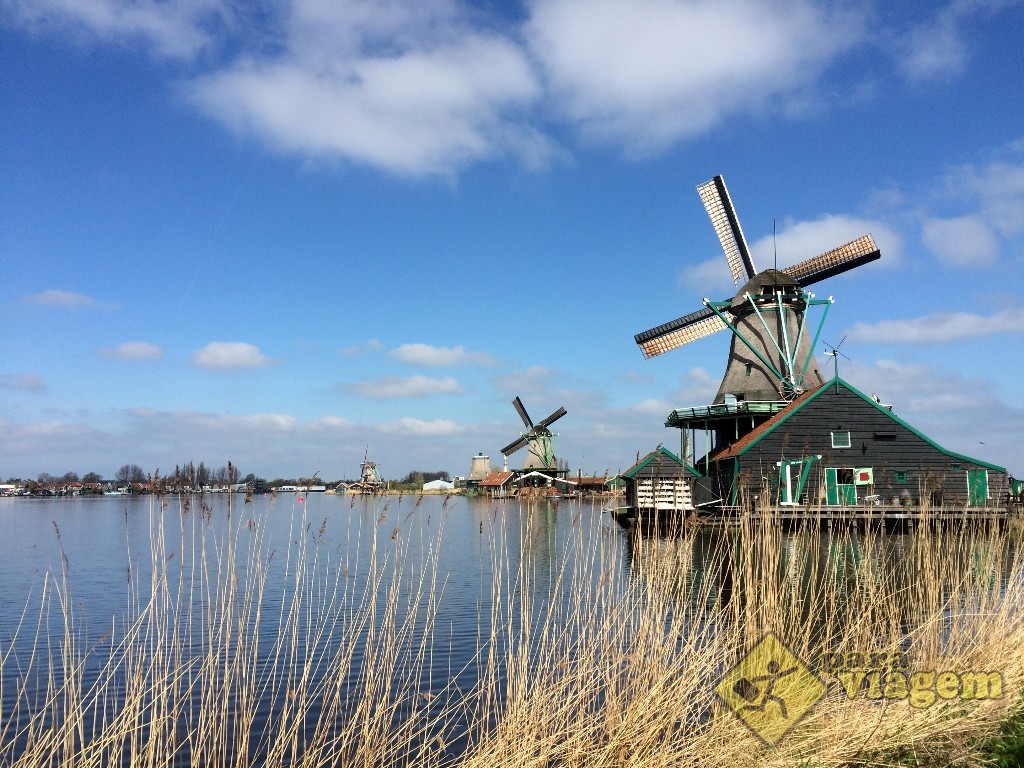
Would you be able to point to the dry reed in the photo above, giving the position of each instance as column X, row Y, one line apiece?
column 593, row 649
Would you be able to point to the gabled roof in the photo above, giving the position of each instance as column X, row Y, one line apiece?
column 496, row 479
column 755, row 436
column 659, row 452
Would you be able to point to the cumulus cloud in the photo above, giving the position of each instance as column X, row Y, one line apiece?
column 229, row 356
column 939, row 328
column 441, row 357
column 407, row 87
column 707, row 279
column 997, row 188
column 61, row 299
column 964, row 241
column 133, row 350
column 408, row 425
column 797, row 241
column 649, row 72
column 392, row 387
column 934, row 49
column 22, row 382
column 178, row 30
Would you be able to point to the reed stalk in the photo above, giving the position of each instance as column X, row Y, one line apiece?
column 594, row 647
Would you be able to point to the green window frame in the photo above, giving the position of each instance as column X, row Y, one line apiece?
column 900, row 476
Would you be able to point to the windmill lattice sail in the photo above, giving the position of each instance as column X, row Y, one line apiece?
column 770, row 356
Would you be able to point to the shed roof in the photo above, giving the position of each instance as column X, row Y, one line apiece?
column 658, row 454
column 496, row 479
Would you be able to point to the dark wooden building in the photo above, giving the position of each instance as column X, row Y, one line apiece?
column 834, row 446
column 662, row 484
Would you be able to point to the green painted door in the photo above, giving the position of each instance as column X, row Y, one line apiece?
column 977, row 487
column 839, row 487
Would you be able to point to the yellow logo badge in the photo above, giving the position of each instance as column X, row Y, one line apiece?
column 770, row 689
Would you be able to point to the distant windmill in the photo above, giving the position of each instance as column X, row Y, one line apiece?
column 771, row 356
column 537, row 437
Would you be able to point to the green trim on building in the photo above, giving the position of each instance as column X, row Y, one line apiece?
column 835, row 382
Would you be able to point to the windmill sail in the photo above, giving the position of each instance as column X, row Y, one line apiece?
column 537, row 437
column 771, row 354
column 727, row 227
column 669, row 336
column 834, row 262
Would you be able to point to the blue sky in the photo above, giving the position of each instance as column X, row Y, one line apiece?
column 287, row 233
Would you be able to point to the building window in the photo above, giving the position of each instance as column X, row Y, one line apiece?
column 900, row 477
column 840, row 439
column 750, row 367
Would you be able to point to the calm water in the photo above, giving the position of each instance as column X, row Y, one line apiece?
column 103, row 549
column 454, row 554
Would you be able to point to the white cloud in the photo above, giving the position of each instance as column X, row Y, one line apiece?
column 964, row 241
column 178, row 30
column 998, row 188
column 650, row 72
column 54, row 297
column 960, row 413
column 133, row 350
column 938, row 328
column 931, row 50
column 441, row 357
column 24, row 382
column 419, row 427
column 229, row 356
column 409, row 88
column 528, row 382
column 391, row 387
column 797, row 241
column 938, row 47
column 708, row 279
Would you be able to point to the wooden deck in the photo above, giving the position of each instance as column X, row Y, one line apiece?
column 825, row 516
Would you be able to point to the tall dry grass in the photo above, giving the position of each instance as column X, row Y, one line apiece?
column 597, row 650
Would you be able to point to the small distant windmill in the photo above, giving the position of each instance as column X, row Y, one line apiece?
column 369, row 477
column 771, row 355
column 537, row 437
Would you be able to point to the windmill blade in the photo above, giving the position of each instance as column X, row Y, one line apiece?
column 514, row 446
column 727, row 226
column 522, row 413
column 552, row 418
column 845, row 257
column 691, row 327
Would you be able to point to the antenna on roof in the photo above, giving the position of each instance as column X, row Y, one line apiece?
column 835, row 354
column 775, row 244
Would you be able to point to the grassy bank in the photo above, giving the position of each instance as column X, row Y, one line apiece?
column 609, row 655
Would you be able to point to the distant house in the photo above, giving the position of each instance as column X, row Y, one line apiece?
column 497, row 484
column 836, row 446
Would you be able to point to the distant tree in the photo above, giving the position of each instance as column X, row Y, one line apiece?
column 202, row 474
column 130, row 473
column 69, row 477
column 220, row 476
column 46, row 478
column 92, row 477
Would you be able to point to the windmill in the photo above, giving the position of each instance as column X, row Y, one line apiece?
column 770, row 357
column 537, row 437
